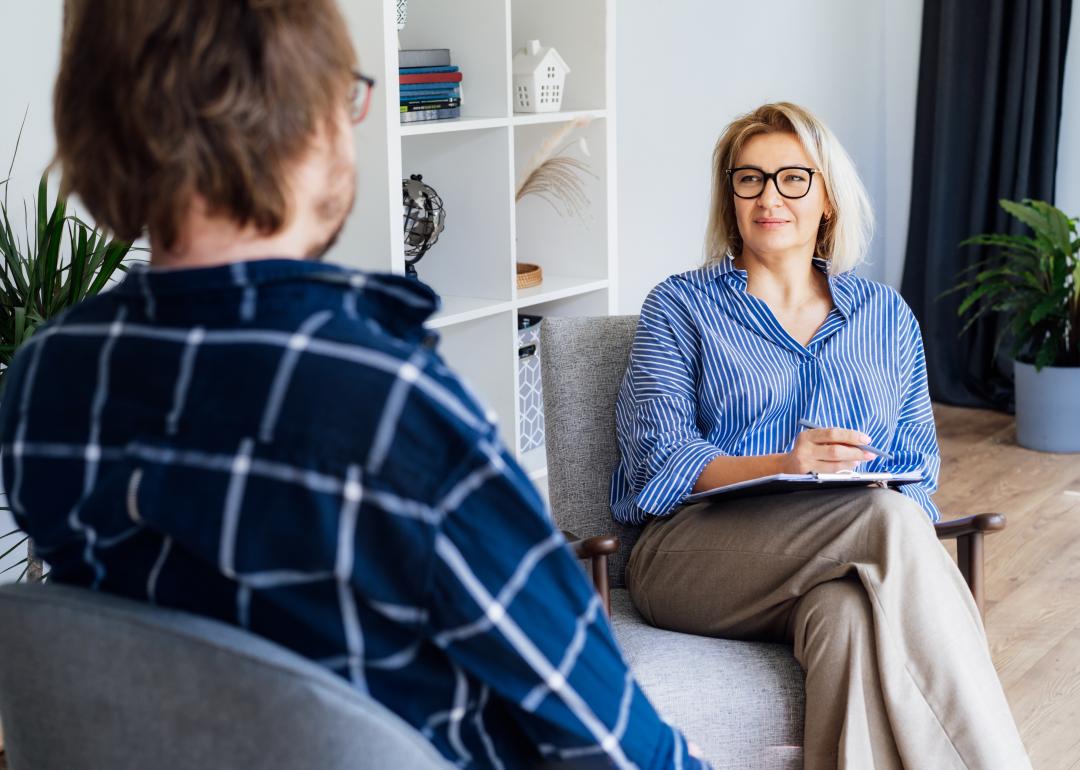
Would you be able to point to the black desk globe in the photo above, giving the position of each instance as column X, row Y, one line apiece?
column 424, row 219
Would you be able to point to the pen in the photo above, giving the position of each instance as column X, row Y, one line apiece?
column 864, row 447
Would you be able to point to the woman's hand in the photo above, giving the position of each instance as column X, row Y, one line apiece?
column 826, row 450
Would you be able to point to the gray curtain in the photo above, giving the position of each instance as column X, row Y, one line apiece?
column 988, row 117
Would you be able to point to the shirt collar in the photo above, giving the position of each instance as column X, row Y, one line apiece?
column 404, row 298
column 839, row 286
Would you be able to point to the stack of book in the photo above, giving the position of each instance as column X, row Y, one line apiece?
column 430, row 85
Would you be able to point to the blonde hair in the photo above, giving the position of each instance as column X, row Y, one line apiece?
column 844, row 236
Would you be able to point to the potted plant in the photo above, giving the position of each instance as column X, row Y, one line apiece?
column 1034, row 282
column 61, row 262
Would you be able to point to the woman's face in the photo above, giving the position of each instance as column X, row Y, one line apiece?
column 770, row 224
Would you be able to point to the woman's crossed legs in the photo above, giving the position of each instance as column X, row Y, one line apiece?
column 898, row 669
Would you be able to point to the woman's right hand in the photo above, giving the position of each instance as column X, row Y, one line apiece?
column 827, row 450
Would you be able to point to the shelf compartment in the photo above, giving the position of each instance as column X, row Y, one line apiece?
column 475, row 33
column 587, row 304
column 529, row 118
column 451, row 125
column 557, row 287
column 457, row 310
column 577, row 29
column 564, row 245
column 470, row 170
column 483, row 353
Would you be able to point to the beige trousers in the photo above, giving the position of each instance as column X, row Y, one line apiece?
column 898, row 671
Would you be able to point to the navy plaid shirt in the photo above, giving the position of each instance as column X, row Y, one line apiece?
column 277, row 445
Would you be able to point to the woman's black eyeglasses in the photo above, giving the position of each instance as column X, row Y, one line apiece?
column 360, row 96
column 790, row 181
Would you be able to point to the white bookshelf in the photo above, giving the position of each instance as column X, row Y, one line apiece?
column 474, row 162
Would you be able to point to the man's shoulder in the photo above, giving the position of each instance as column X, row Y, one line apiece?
column 386, row 398
column 368, row 349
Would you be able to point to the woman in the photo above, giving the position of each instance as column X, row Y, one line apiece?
column 727, row 360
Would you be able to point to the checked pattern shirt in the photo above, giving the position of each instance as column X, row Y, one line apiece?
column 278, row 445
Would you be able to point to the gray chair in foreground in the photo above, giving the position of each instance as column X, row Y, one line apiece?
column 94, row 682
column 741, row 702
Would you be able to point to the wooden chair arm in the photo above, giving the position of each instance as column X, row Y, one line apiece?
column 980, row 522
column 969, row 532
column 596, row 550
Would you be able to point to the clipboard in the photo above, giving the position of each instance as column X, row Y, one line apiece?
column 782, row 483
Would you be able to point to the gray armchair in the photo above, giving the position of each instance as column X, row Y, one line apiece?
column 95, row 682
column 742, row 702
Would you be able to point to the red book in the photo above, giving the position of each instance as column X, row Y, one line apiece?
column 431, row 77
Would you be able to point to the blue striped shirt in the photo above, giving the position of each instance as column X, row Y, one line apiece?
column 277, row 445
column 712, row 373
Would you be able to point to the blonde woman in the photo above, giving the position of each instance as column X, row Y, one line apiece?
column 774, row 329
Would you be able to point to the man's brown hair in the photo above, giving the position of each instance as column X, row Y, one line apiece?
column 160, row 100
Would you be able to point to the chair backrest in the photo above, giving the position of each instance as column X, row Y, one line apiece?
column 582, row 363
column 100, row 683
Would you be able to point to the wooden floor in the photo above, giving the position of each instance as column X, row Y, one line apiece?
column 1033, row 571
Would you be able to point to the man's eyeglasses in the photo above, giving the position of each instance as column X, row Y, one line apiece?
column 360, row 96
column 790, row 181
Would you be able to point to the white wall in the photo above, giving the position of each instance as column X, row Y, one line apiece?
column 687, row 67
column 1067, row 194
column 29, row 56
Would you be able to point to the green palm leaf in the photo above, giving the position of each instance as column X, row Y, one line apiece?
column 1033, row 281
column 61, row 261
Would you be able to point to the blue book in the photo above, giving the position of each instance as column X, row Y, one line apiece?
column 425, row 70
column 427, row 86
column 423, row 96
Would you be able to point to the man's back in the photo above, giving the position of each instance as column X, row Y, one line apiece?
column 276, row 444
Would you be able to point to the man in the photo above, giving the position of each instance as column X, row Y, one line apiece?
column 243, row 432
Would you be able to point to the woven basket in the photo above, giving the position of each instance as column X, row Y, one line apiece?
column 528, row 275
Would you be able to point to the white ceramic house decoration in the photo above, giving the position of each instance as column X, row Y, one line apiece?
column 539, row 76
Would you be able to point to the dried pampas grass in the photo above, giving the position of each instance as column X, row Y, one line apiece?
column 557, row 177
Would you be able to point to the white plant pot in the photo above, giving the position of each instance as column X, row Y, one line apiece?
column 1048, row 407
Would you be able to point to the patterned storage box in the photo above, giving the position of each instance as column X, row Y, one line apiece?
column 530, row 396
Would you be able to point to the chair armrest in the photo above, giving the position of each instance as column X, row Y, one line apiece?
column 969, row 532
column 591, row 546
column 596, row 550
column 980, row 522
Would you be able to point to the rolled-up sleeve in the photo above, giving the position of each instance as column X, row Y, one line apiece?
column 663, row 450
